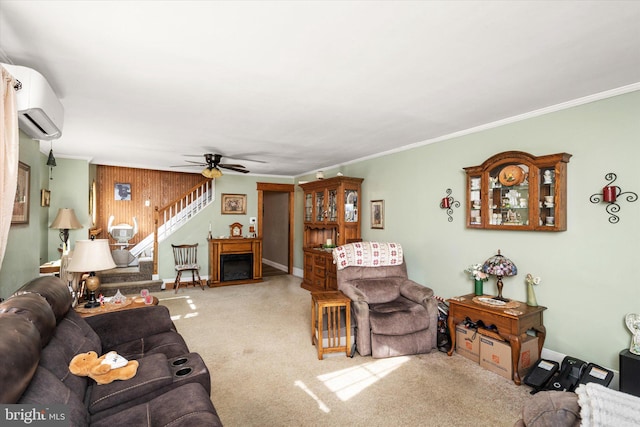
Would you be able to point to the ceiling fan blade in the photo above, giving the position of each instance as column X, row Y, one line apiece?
column 230, row 165
column 244, row 159
column 196, row 163
column 188, row 166
column 233, row 168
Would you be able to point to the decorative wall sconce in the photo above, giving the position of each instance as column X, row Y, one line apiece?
column 610, row 194
column 449, row 203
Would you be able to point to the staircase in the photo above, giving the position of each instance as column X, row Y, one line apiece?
column 168, row 220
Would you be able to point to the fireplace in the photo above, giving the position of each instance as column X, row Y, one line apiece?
column 236, row 267
column 235, row 261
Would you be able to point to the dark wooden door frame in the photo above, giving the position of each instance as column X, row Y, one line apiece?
column 277, row 188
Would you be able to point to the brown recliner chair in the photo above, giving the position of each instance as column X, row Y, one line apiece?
column 393, row 315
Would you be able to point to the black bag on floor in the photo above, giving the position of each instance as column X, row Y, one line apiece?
column 443, row 336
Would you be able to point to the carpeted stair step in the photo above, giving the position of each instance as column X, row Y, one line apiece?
column 143, row 271
column 130, row 288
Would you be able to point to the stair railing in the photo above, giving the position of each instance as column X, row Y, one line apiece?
column 178, row 212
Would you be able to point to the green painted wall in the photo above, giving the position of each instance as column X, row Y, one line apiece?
column 588, row 272
column 69, row 189
column 26, row 246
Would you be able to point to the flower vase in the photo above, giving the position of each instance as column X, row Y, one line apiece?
column 531, row 296
column 478, row 288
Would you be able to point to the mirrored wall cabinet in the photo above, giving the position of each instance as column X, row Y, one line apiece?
column 517, row 191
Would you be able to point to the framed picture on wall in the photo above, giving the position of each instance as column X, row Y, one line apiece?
column 234, row 204
column 21, row 201
column 45, row 198
column 377, row 214
column 122, row 191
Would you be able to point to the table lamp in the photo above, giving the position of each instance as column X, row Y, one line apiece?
column 91, row 256
column 65, row 220
column 499, row 265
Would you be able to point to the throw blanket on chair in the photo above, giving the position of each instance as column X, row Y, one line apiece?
column 601, row 406
column 367, row 254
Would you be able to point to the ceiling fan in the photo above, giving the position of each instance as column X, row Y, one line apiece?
column 212, row 163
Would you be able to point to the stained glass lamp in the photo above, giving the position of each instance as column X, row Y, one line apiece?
column 500, row 266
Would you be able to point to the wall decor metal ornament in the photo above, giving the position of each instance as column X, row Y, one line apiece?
column 610, row 194
column 449, row 203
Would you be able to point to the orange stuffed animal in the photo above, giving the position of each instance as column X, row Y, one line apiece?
column 104, row 369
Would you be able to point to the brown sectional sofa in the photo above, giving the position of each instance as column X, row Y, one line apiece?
column 40, row 334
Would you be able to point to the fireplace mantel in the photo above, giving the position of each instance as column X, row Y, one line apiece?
column 219, row 247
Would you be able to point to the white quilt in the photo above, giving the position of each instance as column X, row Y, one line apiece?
column 603, row 407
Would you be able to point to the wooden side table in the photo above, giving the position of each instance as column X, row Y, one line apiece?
column 512, row 324
column 329, row 306
column 108, row 308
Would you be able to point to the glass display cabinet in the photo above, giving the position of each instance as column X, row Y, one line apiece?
column 517, row 191
column 331, row 218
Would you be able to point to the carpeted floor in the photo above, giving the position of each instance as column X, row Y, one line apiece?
column 255, row 339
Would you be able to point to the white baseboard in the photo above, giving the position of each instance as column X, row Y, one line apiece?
column 275, row 264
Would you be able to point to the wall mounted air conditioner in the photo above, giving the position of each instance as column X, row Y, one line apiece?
column 40, row 112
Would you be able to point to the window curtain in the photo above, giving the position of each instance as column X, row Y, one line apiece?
column 9, row 150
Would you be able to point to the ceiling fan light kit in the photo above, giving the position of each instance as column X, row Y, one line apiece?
column 212, row 173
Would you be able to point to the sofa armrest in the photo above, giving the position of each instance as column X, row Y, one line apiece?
column 119, row 327
column 415, row 292
column 352, row 292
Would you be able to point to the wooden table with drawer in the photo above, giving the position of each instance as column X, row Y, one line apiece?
column 512, row 323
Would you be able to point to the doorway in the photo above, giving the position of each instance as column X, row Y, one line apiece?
column 275, row 224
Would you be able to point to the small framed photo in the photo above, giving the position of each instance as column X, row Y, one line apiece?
column 377, row 214
column 234, row 204
column 20, row 213
column 45, row 198
column 122, row 191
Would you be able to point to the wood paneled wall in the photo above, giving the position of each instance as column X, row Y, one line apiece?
column 157, row 187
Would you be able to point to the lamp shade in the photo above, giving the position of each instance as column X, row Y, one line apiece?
column 66, row 219
column 91, row 255
column 499, row 265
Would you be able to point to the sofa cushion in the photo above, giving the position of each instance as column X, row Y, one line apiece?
column 20, row 350
column 72, row 336
column 36, row 309
column 54, row 290
column 398, row 317
column 169, row 343
column 153, row 374
column 186, row 406
column 378, row 290
column 46, row 389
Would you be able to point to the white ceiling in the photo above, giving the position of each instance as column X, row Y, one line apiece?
column 307, row 85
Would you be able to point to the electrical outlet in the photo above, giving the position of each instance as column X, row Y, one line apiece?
column 252, row 220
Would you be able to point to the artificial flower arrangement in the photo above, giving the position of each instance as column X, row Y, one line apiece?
column 475, row 271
